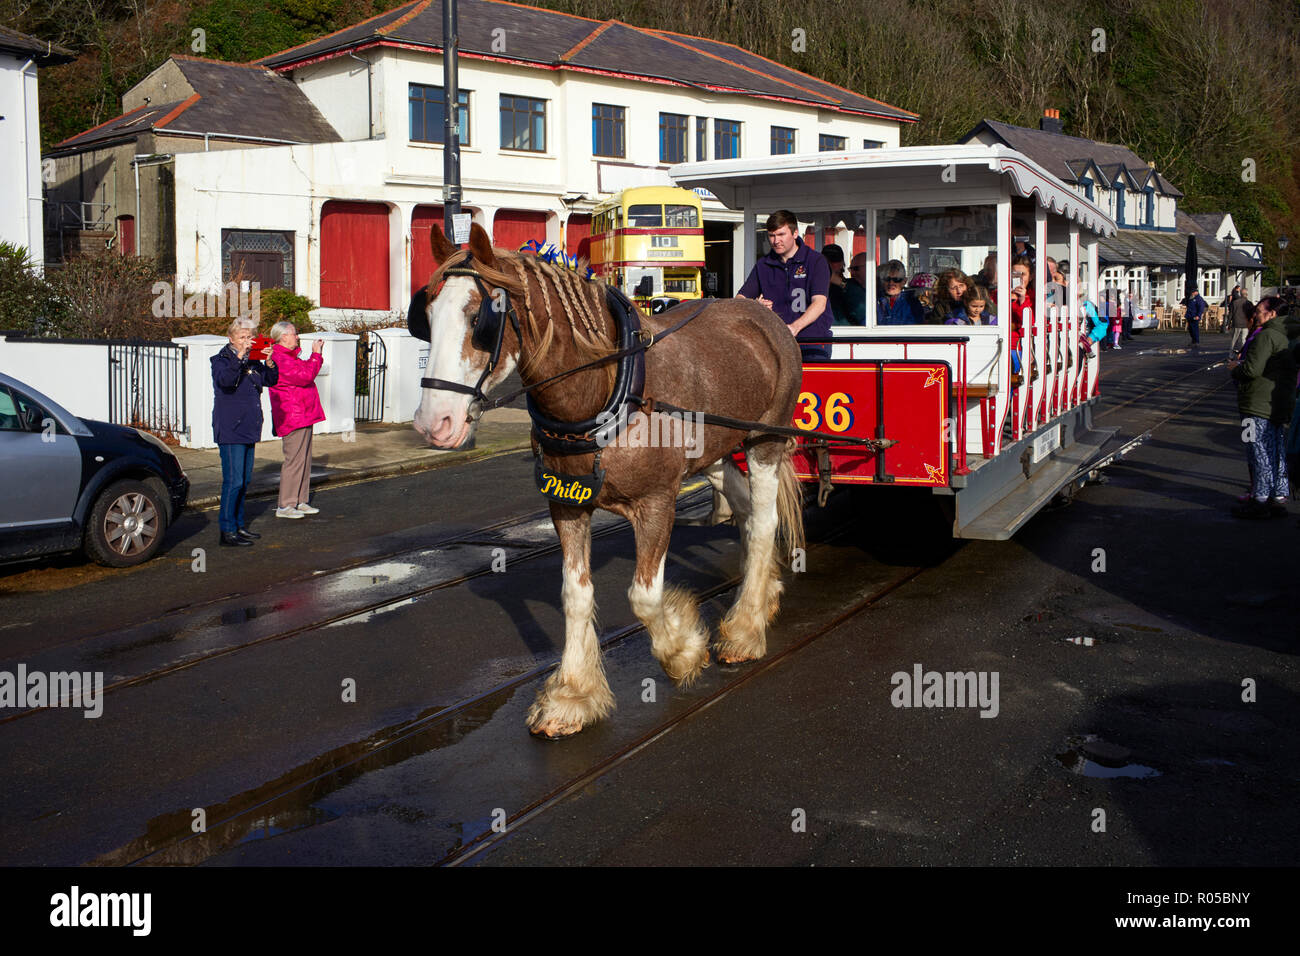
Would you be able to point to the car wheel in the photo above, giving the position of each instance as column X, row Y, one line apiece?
column 126, row 524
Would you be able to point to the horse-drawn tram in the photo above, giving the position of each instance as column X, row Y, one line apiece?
column 997, row 418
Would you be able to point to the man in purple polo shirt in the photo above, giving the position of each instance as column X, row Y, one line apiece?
column 793, row 280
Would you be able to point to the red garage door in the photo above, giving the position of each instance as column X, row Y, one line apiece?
column 354, row 255
column 513, row 227
column 577, row 236
column 422, row 265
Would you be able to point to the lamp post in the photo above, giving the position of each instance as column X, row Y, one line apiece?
column 1282, row 243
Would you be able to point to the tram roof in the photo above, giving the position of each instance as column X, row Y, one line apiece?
column 905, row 175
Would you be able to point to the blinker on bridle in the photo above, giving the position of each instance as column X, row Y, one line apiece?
column 488, row 330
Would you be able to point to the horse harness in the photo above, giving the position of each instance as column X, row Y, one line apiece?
column 593, row 435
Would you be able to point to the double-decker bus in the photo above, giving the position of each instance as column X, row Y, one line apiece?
column 649, row 242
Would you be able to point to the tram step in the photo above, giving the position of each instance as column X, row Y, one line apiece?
column 1001, row 520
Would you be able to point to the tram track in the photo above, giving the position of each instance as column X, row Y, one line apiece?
column 328, row 772
column 488, row 536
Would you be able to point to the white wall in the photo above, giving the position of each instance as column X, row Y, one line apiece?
column 336, row 385
column 75, row 376
column 21, row 202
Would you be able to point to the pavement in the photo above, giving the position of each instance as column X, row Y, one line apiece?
column 374, row 450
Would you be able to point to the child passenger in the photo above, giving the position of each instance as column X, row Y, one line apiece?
column 975, row 305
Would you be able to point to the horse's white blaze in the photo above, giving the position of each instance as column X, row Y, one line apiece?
column 442, row 415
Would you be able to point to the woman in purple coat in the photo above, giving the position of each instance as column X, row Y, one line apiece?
column 295, row 408
column 237, row 381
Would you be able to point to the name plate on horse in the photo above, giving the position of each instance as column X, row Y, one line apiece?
column 568, row 489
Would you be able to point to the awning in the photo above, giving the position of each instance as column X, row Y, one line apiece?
column 915, row 175
column 1136, row 247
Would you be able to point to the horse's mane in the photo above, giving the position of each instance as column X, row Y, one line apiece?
column 582, row 300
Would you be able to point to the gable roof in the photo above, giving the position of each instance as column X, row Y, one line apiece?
column 559, row 41
column 230, row 98
column 25, row 45
column 1142, row 247
column 1058, row 153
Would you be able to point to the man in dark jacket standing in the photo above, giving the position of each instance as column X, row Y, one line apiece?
column 238, row 381
column 1266, row 387
column 1195, row 309
column 793, row 280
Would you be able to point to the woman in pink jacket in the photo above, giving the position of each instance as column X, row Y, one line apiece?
column 295, row 408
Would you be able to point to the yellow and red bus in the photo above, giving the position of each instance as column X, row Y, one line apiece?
column 649, row 242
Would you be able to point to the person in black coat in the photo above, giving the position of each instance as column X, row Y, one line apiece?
column 238, row 380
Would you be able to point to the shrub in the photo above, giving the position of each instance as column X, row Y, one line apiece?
column 106, row 296
column 27, row 304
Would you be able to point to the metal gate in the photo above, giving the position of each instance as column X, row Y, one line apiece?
column 372, row 361
column 146, row 386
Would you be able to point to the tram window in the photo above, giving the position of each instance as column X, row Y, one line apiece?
column 645, row 216
column 931, row 242
column 681, row 217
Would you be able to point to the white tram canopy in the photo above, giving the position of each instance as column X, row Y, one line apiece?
column 911, row 176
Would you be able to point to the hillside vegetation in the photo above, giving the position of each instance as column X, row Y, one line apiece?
column 1199, row 87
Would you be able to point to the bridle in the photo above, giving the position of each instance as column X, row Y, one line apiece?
column 489, row 328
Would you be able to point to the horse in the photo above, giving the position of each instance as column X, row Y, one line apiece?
column 737, row 358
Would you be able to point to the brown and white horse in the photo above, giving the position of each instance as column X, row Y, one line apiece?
column 736, row 359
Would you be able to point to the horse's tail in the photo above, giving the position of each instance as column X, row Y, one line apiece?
column 789, row 505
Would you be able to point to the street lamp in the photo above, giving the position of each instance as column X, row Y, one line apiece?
column 1282, row 243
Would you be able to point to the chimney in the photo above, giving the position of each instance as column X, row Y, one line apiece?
column 1051, row 122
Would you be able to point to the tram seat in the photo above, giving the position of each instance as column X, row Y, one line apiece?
column 974, row 391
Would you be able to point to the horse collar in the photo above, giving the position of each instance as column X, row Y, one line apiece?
column 585, row 437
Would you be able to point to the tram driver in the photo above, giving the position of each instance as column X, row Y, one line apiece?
column 793, row 280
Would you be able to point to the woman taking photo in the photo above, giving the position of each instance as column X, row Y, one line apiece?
column 237, row 381
column 295, row 408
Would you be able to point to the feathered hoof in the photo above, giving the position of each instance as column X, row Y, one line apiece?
column 684, row 652
column 774, row 591
column 739, row 642
column 562, row 709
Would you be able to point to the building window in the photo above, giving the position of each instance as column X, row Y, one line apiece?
column 782, row 140
column 672, row 138
column 1151, row 209
column 832, row 144
column 523, row 123
column 701, row 139
column 873, row 143
column 1087, row 189
column 257, row 255
column 607, row 130
column 1119, row 204
column 427, row 116
column 726, row 139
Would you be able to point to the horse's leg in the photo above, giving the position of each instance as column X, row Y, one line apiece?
column 716, row 475
column 743, row 632
column 678, row 638
column 577, row 693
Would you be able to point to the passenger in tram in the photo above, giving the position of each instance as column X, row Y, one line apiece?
column 834, row 257
column 976, row 305
column 988, row 276
column 792, row 280
column 949, row 299
column 893, row 307
column 1055, row 286
column 855, row 290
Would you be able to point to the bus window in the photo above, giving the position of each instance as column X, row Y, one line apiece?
column 681, row 217
column 645, row 217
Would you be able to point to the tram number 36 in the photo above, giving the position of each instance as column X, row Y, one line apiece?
column 837, row 412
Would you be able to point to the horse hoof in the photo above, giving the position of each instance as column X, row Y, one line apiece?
column 555, row 730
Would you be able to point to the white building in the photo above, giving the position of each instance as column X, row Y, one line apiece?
column 558, row 112
column 21, row 212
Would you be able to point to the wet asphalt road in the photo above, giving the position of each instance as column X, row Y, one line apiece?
column 806, row 763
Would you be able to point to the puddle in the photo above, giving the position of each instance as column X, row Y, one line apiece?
column 1090, row 756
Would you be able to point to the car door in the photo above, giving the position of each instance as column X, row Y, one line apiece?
column 40, row 470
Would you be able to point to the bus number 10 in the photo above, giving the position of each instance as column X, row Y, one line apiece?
column 838, row 414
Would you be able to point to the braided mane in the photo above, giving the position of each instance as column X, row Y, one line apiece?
column 564, row 296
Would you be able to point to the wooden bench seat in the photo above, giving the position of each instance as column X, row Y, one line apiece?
column 977, row 391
